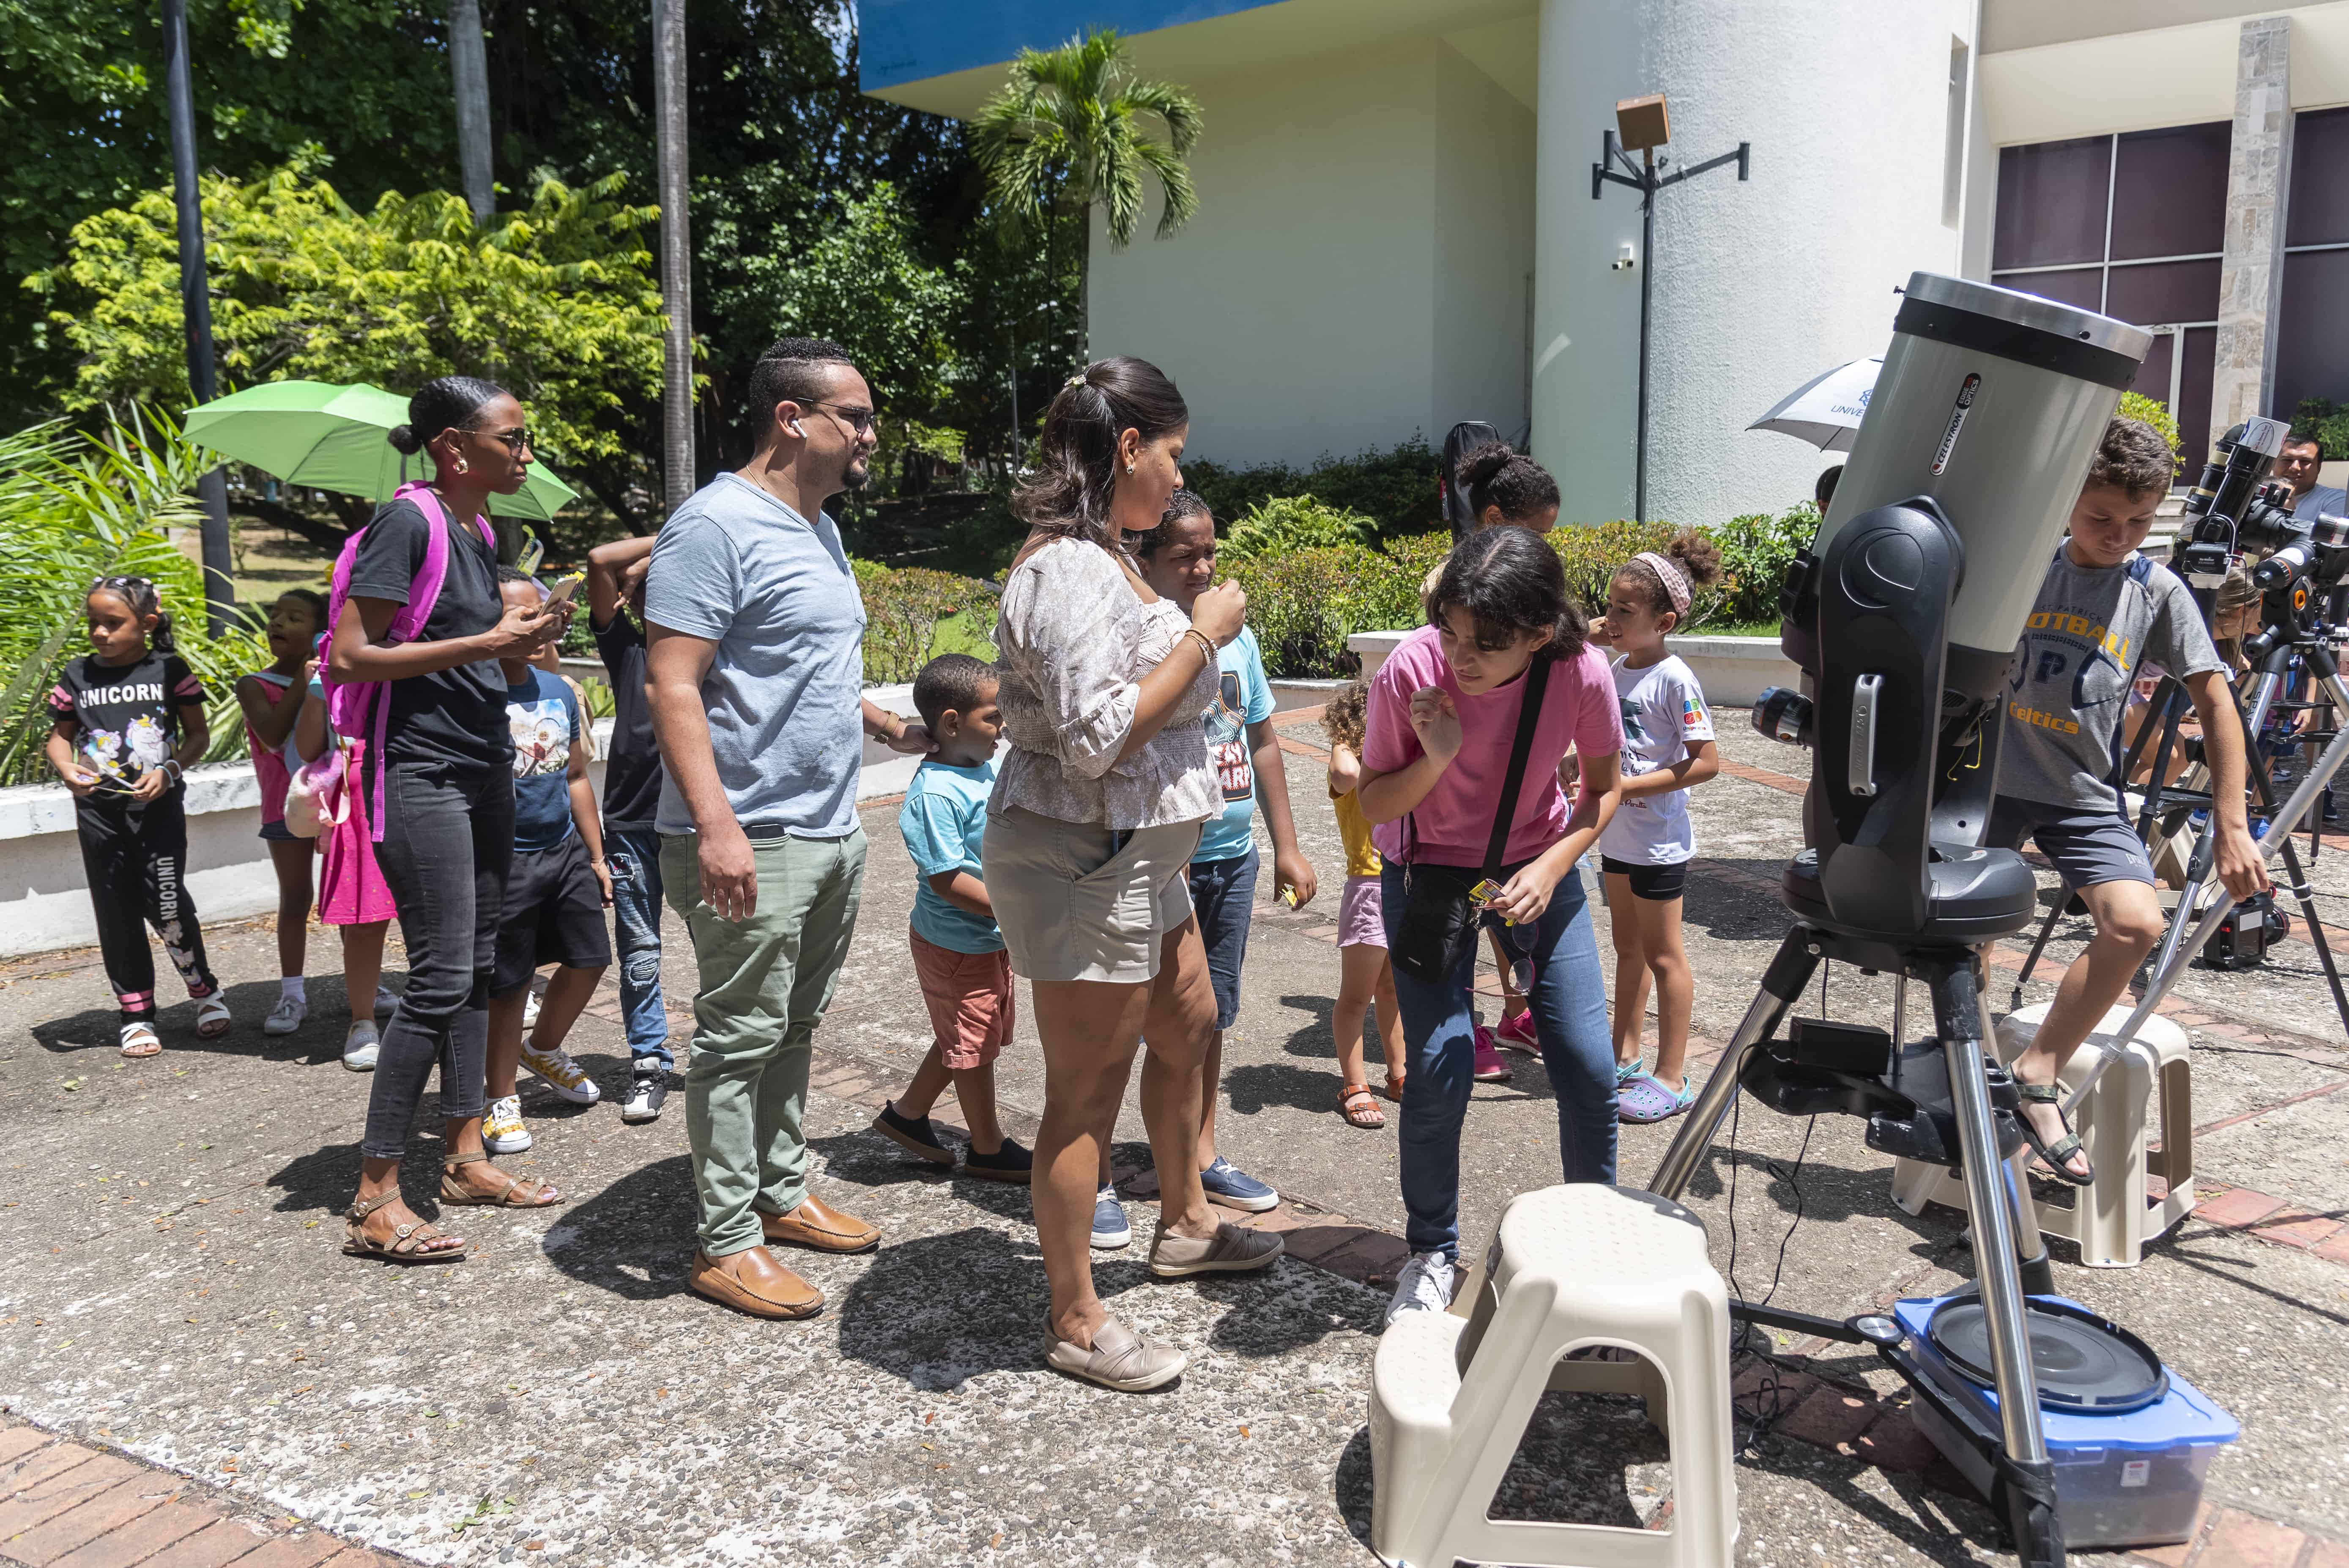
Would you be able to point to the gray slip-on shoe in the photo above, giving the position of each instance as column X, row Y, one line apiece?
column 1119, row 1359
column 1231, row 1250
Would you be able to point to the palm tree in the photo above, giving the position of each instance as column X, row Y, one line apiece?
column 1069, row 132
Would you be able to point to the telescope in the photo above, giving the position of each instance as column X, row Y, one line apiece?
column 1904, row 617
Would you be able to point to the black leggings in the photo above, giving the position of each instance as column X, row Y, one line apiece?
column 448, row 840
column 135, row 856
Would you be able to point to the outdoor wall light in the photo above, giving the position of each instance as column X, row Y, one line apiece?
column 1626, row 257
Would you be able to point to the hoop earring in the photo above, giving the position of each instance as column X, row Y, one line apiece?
column 462, row 466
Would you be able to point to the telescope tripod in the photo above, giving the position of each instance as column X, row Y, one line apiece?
column 1947, row 1101
column 2174, row 807
column 2177, row 949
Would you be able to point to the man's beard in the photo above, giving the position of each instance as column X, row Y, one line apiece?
column 858, row 473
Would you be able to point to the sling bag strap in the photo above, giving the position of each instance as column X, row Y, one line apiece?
column 1529, row 709
column 1529, row 706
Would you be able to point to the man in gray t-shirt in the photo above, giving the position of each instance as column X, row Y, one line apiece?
column 754, row 665
column 2103, row 611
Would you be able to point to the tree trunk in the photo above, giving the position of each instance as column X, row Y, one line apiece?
column 469, row 60
column 676, row 250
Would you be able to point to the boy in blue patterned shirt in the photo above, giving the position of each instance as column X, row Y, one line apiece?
column 958, row 953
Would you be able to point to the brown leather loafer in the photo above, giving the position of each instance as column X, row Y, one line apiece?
column 826, row 1229
column 751, row 1282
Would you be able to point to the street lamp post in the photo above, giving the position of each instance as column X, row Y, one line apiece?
column 1645, row 127
column 196, row 307
column 677, row 250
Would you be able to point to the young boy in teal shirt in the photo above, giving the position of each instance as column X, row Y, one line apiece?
column 958, row 954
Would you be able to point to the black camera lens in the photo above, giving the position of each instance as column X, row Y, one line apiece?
column 1784, row 715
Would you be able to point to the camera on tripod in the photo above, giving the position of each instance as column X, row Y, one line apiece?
column 2235, row 508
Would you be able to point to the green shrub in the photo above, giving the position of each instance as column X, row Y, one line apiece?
column 1395, row 489
column 2326, row 420
column 1296, row 523
column 2137, row 405
column 1755, row 551
column 903, row 610
column 1304, row 604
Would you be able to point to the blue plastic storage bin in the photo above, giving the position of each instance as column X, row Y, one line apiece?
column 2133, row 1479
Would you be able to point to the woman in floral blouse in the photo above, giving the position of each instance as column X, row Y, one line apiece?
column 1097, row 808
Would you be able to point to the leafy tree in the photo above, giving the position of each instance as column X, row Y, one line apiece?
column 865, row 285
column 84, row 119
column 554, row 301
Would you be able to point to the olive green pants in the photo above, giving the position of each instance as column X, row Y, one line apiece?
column 765, row 983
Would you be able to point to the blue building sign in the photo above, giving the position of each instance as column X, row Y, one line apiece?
column 901, row 41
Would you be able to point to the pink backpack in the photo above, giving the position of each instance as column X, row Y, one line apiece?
column 350, row 704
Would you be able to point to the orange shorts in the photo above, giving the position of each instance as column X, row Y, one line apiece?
column 969, row 995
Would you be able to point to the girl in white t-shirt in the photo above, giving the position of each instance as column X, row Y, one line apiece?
column 1644, row 850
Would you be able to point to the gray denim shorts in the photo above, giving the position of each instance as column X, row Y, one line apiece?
column 2087, row 847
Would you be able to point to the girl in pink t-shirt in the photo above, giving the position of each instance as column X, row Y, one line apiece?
column 272, row 700
column 1444, row 713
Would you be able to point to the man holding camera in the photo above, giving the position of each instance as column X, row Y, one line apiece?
column 2103, row 611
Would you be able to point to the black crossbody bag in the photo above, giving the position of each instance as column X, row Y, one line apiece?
column 1438, row 919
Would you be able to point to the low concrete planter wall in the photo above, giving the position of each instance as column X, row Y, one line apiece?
column 45, row 897
column 1732, row 670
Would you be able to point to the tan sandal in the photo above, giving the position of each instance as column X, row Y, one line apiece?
column 534, row 1194
column 1394, row 1089
column 409, row 1243
column 1366, row 1114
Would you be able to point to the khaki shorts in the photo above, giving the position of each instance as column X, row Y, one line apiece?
column 1074, row 905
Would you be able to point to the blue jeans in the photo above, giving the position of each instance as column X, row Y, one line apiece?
column 1569, row 1005
column 1223, row 895
column 634, row 857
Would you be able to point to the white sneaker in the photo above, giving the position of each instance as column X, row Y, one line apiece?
column 563, row 1075
column 530, row 1011
column 646, row 1090
column 1425, row 1284
column 361, row 1045
column 287, row 1016
column 501, row 1128
column 386, row 1000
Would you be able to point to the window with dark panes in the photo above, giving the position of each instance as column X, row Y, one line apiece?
column 2130, row 225
column 2313, row 326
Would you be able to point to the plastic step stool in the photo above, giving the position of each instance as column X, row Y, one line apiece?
column 2112, row 1220
column 1569, row 1267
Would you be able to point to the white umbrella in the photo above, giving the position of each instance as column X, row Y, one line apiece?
column 1826, row 410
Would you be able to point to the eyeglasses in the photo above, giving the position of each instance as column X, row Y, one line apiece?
column 514, row 440
column 859, row 419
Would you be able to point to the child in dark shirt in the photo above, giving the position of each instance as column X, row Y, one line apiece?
column 128, row 717
column 632, row 783
column 555, row 894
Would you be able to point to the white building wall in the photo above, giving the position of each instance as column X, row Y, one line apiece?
column 1484, row 249
column 1294, row 310
column 1758, row 286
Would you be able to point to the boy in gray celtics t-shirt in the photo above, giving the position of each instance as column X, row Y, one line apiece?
column 2103, row 611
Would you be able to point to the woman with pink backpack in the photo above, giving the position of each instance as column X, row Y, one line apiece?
column 412, row 671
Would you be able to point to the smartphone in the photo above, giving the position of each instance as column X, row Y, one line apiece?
column 559, row 594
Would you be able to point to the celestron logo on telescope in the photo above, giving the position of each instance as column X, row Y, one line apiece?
column 1957, row 422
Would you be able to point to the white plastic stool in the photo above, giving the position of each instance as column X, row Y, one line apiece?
column 1569, row 1267
column 2112, row 1219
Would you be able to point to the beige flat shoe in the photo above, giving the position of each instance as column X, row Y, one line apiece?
column 1231, row 1250
column 1119, row 1359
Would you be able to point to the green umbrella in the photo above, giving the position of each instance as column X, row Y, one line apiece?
column 332, row 438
